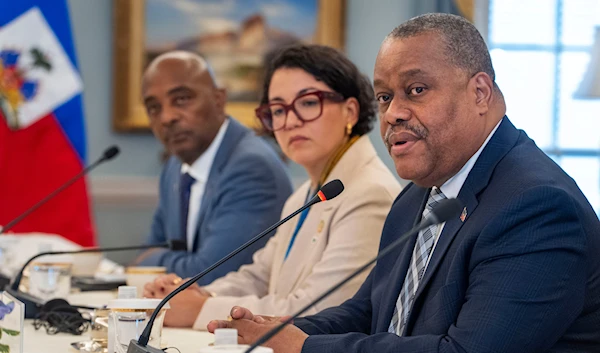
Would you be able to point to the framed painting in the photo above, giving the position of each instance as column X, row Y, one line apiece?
column 233, row 35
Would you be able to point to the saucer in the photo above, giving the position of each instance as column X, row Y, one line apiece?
column 89, row 346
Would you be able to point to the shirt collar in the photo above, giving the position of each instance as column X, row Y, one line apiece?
column 452, row 186
column 200, row 169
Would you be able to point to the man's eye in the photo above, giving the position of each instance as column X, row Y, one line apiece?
column 383, row 98
column 416, row 91
column 182, row 99
column 152, row 109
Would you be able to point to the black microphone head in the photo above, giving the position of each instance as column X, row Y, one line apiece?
column 447, row 209
column 330, row 190
column 110, row 153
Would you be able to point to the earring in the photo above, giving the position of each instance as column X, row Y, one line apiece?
column 348, row 129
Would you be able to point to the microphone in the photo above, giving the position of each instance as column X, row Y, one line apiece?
column 108, row 154
column 442, row 212
column 33, row 303
column 327, row 192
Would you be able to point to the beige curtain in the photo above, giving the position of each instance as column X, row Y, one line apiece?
column 463, row 8
column 466, row 8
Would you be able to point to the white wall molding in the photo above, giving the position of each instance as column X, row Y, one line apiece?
column 481, row 17
column 124, row 190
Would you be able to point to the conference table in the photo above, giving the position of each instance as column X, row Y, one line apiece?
column 38, row 341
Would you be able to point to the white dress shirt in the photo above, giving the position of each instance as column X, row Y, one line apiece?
column 200, row 170
column 452, row 186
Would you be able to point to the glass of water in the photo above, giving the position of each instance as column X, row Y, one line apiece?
column 50, row 280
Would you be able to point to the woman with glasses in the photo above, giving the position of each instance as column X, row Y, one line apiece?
column 320, row 108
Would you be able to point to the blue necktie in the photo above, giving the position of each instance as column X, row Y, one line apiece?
column 185, row 187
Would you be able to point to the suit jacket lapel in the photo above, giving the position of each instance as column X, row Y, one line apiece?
column 233, row 135
column 451, row 227
column 479, row 177
column 411, row 195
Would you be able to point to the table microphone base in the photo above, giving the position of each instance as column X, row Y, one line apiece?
column 32, row 303
column 135, row 347
column 4, row 281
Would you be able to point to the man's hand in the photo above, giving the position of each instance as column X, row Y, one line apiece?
column 251, row 327
column 163, row 285
column 185, row 306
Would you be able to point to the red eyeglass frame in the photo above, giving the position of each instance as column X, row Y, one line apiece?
column 322, row 95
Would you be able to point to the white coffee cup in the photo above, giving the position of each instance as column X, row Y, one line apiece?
column 138, row 276
column 127, row 320
column 85, row 265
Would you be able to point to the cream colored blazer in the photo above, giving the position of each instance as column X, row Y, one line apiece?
column 337, row 237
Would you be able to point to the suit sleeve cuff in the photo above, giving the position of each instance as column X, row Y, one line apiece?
column 321, row 343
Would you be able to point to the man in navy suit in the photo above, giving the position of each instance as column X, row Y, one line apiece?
column 517, row 271
column 223, row 184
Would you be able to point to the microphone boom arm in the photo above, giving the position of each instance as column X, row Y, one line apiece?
column 17, row 281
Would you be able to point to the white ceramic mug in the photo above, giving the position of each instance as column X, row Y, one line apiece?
column 128, row 319
column 138, row 276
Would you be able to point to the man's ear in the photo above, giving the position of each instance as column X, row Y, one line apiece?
column 483, row 89
column 221, row 98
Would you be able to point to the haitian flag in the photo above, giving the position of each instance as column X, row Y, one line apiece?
column 42, row 132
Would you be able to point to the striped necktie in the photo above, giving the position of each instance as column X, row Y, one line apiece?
column 420, row 255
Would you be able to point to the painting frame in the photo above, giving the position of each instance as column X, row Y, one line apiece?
column 128, row 61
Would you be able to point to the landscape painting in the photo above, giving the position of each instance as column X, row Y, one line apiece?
column 235, row 37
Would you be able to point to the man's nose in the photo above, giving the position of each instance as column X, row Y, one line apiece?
column 169, row 116
column 396, row 113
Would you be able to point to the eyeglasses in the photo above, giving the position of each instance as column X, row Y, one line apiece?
column 307, row 107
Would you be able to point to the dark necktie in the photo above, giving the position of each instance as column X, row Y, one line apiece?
column 185, row 186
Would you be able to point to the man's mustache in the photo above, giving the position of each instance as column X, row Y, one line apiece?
column 419, row 131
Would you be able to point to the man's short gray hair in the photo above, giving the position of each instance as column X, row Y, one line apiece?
column 464, row 46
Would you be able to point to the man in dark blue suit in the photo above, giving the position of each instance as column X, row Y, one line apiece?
column 517, row 271
column 222, row 185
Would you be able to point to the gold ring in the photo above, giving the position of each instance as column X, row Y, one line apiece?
column 177, row 280
column 229, row 318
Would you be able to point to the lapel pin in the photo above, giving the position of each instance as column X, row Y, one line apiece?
column 463, row 215
column 320, row 226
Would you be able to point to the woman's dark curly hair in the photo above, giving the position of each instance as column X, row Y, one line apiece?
column 331, row 67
